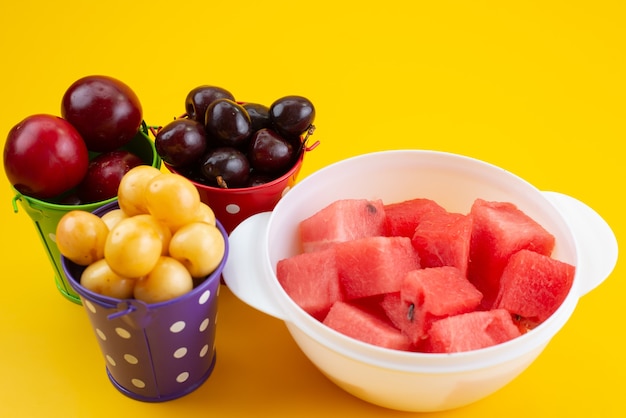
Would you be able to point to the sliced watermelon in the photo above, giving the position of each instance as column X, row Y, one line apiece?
column 443, row 239
column 362, row 325
column 342, row 220
column 471, row 331
column 533, row 285
column 395, row 310
column 412, row 276
column 433, row 293
column 374, row 265
column 403, row 217
column 311, row 280
column 499, row 230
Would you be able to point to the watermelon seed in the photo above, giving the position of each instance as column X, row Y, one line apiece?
column 410, row 313
column 371, row 208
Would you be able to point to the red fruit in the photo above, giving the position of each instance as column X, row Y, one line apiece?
column 104, row 175
column 533, row 286
column 311, row 280
column 443, row 239
column 44, row 156
column 269, row 152
column 105, row 111
column 355, row 322
column 342, row 220
column 181, row 142
column 401, row 218
column 374, row 265
column 471, row 331
column 499, row 230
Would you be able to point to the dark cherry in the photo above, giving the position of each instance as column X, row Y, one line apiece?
column 201, row 97
column 225, row 167
column 259, row 115
column 269, row 152
column 259, row 179
column 181, row 142
column 291, row 116
column 228, row 122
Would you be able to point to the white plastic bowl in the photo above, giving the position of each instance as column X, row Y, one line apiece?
column 402, row 380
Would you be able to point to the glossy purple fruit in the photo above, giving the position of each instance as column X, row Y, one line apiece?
column 104, row 174
column 291, row 116
column 105, row 111
column 199, row 98
column 228, row 123
column 269, row 152
column 181, row 142
column 225, row 167
column 259, row 179
column 259, row 115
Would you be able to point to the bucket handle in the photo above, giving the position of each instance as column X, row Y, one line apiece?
column 35, row 213
column 14, row 202
column 134, row 312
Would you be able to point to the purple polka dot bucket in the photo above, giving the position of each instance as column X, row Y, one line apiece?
column 154, row 352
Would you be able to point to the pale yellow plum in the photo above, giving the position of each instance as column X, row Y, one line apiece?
column 205, row 214
column 99, row 278
column 199, row 247
column 168, row 279
column 172, row 199
column 112, row 217
column 131, row 191
column 164, row 231
column 133, row 247
column 81, row 237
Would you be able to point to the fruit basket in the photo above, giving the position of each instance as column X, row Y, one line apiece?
column 154, row 351
column 45, row 214
column 242, row 156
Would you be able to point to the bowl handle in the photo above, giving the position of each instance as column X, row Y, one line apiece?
column 246, row 271
column 596, row 242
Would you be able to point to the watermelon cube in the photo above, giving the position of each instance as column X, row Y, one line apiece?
column 311, row 280
column 374, row 265
column 362, row 325
column 471, row 331
column 533, row 285
column 343, row 220
column 395, row 310
column 402, row 217
column 499, row 230
column 443, row 239
column 433, row 293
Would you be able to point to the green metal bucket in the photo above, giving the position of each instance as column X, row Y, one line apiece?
column 46, row 215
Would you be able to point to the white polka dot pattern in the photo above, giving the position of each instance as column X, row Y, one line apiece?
column 158, row 352
column 233, row 209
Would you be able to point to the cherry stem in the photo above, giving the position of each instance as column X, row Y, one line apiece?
column 221, row 182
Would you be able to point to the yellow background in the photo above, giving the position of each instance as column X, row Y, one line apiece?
column 537, row 87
